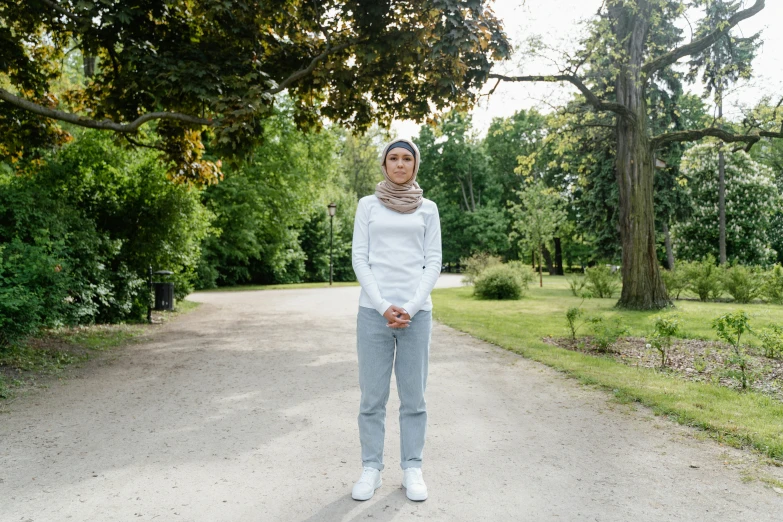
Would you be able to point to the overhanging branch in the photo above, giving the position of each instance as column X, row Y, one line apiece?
column 589, row 95
column 702, row 43
column 307, row 70
column 101, row 125
column 725, row 136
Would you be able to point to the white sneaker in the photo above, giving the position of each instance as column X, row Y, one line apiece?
column 413, row 482
column 367, row 484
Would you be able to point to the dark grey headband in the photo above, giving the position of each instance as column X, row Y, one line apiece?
column 400, row 145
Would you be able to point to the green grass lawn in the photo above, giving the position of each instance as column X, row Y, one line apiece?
column 741, row 419
column 245, row 288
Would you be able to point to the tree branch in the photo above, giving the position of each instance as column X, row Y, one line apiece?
column 727, row 137
column 589, row 95
column 307, row 70
column 104, row 124
column 702, row 43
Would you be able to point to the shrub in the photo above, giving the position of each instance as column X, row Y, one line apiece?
column 601, row 282
column 773, row 285
column 742, row 283
column 703, row 278
column 675, row 281
column 606, row 332
column 475, row 264
column 572, row 316
column 664, row 329
column 576, row 284
column 771, row 341
column 730, row 327
column 523, row 270
column 498, row 282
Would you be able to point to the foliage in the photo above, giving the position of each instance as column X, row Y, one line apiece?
column 525, row 273
column 573, row 314
column 773, row 285
column 742, row 283
column 218, row 65
column 606, row 332
column 536, row 219
column 477, row 263
column 664, row 328
column 703, row 278
column 454, row 174
column 79, row 232
column 601, row 282
column 771, row 341
column 499, row 282
column 730, row 328
column 675, row 281
column 751, row 200
column 263, row 207
column 576, row 284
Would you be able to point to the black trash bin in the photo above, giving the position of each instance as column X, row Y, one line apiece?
column 164, row 296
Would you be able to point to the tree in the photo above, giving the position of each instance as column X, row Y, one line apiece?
column 640, row 41
column 752, row 199
column 722, row 64
column 359, row 160
column 536, row 220
column 212, row 70
column 454, row 173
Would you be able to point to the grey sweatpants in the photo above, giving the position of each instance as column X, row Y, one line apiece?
column 377, row 345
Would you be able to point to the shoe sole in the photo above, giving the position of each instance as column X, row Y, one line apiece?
column 380, row 483
column 407, row 494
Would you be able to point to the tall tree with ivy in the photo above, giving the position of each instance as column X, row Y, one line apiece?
column 721, row 65
column 625, row 36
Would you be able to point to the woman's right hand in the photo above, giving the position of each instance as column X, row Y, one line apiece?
column 397, row 317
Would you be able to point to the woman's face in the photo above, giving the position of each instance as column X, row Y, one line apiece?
column 399, row 165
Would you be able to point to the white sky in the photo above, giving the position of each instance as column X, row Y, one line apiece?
column 557, row 22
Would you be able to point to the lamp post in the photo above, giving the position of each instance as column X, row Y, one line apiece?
column 332, row 207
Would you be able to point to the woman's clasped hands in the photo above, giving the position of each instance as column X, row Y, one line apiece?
column 398, row 317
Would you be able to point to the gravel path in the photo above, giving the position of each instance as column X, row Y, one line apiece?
column 245, row 410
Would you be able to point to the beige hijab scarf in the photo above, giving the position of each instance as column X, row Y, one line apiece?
column 404, row 198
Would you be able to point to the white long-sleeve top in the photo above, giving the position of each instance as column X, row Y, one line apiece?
column 396, row 257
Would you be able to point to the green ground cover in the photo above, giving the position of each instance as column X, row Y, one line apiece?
column 747, row 419
column 37, row 359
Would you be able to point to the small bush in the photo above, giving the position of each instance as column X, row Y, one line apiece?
column 773, row 285
column 606, row 332
column 475, row 264
column 771, row 341
column 498, row 282
column 525, row 273
column 576, row 284
column 675, row 281
column 572, row 316
column 703, row 278
column 601, row 282
column 730, row 327
column 742, row 283
column 664, row 329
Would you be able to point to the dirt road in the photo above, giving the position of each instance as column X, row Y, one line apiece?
column 245, row 410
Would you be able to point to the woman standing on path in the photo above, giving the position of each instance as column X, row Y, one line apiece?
column 397, row 260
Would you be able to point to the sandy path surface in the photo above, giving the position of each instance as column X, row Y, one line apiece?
column 245, row 410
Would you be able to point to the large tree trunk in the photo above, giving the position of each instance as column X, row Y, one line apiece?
column 643, row 288
column 558, row 257
column 550, row 266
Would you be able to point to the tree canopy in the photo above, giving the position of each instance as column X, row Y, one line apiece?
column 210, row 70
